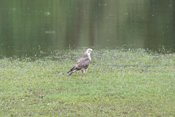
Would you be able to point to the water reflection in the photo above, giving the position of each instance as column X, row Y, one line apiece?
column 31, row 27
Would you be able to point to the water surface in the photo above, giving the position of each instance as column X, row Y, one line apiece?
column 31, row 27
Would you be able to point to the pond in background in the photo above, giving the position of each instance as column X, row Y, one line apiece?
column 34, row 26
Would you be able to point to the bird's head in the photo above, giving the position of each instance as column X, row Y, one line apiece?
column 89, row 50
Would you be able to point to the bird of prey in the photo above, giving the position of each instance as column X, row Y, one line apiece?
column 83, row 63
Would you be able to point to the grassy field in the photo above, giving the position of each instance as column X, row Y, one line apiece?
column 118, row 83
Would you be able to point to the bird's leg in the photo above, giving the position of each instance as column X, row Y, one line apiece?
column 86, row 71
column 82, row 72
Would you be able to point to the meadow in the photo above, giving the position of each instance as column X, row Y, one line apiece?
column 118, row 83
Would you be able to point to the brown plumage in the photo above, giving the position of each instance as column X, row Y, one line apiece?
column 82, row 64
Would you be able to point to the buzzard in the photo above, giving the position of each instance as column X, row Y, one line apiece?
column 83, row 63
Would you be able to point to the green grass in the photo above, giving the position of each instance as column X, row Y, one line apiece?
column 118, row 83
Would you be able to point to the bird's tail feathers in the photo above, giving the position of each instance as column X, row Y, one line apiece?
column 71, row 71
